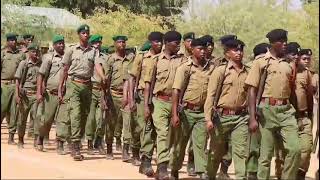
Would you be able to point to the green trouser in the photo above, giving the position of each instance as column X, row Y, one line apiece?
column 305, row 140
column 46, row 113
column 7, row 96
column 235, row 126
column 78, row 97
column 278, row 119
column 252, row 162
column 114, row 117
column 190, row 149
column 161, row 120
column 148, row 136
column 20, row 115
column 194, row 124
column 227, row 158
column 96, row 123
column 63, row 122
column 119, row 124
column 127, row 117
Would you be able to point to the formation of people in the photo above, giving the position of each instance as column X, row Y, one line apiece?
column 162, row 100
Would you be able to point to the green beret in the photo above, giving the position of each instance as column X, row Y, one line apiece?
column 146, row 46
column 120, row 37
column 104, row 49
column 27, row 36
column 11, row 36
column 189, row 35
column 56, row 38
column 83, row 27
column 33, row 46
column 95, row 38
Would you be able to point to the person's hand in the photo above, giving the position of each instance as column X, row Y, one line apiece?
column 210, row 126
column 300, row 125
column 175, row 121
column 253, row 125
column 147, row 113
column 18, row 99
column 60, row 97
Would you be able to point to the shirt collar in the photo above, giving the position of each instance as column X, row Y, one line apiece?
column 190, row 62
column 78, row 46
column 56, row 54
column 148, row 54
column 30, row 62
column 269, row 55
column 230, row 65
column 164, row 56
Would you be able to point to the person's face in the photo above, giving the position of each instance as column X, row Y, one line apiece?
column 199, row 52
column 187, row 44
column 59, row 46
column 292, row 56
column 34, row 54
column 280, row 47
column 235, row 54
column 173, row 46
column 84, row 36
column 12, row 43
column 305, row 60
column 156, row 45
column 120, row 45
column 28, row 41
column 97, row 45
column 209, row 50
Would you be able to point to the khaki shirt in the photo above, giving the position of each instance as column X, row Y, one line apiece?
column 30, row 82
column 116, row 69
column 166, row 70
column 278, row 79
column 51, row 67
column 233, row 94
column 139, row 66
column 81, row 61
column 9, row 63
column 315, row 84
column 101, row 59
column 303, row 80
column 196, row 90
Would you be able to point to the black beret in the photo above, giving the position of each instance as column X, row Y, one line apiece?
column 198, row 42
column 305, row 52
column 27, row 36
column 234, row 43
column 189, row 35
column 225, row 38
column 293, row 47
column 172, row 36
column 11, row 36
column 155, row 36
column 261, row 48
column 277, row 35
column 207, row 39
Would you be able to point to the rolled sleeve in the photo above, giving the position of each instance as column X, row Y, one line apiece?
column 253, row 77
column 134, row 67
column 67, row 59
column 179, row 79
column 18, row 73
column 212, row 88
column 149, row 70
column 44, row 68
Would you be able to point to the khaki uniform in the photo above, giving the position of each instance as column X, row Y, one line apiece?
column 9, row 63
column 96, row 122
column 165, row 73
column 78, row 87
column 277, row 115
column 235, row 125
column 192, row 118
column 49, row 109
column 145, row 130
column 116, row 70
column 28, row 99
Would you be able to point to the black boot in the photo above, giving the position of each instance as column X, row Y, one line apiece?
column 136, row 157
column 252, row 176
column 191, row 167
column 20, row 142
column 72, row 149
column 90, row 148
column 40, row 143
column 223, row 175
column 278, row 168
column 174, row 175
column 301, row 175
column 98, row 145
column 125, row 153
column 118, row 144
column 109, row 152
column 146, row 167
column 162, row 171
column 60, row 149
column 11, row 139
column 77, row 154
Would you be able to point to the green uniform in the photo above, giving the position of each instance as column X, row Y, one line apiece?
column 116, row 70
column 28, row 97
column 277, row 115
column 165, row 72
column 192, row 118
column 78, row 87
column 9, row 63
column 233, row 118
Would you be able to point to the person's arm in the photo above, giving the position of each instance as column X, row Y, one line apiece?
column 175, row 102
column 18, row 75
column 147, row 94
column 66, row 61
column 252, row 96
column 131, row 84
column 125, row 94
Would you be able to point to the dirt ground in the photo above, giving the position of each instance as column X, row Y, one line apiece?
column 31, row 164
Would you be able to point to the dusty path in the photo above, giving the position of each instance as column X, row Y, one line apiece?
column 31, row 164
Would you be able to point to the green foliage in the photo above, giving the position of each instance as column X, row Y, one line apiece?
column 251, row 20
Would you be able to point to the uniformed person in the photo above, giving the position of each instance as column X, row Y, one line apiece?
column 96, row 122
column 104, row 50
column 304, row 92
column 116, row 72
column 27, row 39
column 78, row 65
column 146, row 46
column 275, row 111
column 187, row 38
column 190, row 86
column 160, row 73
column 49, row 109
column 232, row 121
column 25, row 96
column 10, row 59
column 144, row 127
